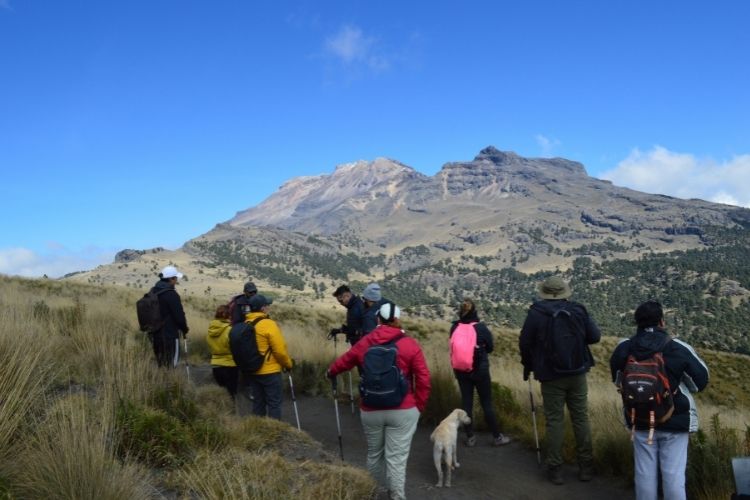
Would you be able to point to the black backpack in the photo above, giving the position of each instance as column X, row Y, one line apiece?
column 244, row 347
column 565, row 341
column 382, row 384
column 646, row 393
column 149, row 312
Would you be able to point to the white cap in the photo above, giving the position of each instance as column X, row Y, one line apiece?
column 171, row 272
column 385, row 311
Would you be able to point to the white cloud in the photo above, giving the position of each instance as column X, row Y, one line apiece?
column 685, row 176
column 351, row 46
column 547, row 144
column 58, row 262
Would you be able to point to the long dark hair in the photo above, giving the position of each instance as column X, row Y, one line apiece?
column 467, row 307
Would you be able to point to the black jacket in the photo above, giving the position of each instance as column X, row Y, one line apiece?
column 534, row 332
column 355, row 311
column 485, row 343
column 170, row 307
column 370, row 316
column 686, row 372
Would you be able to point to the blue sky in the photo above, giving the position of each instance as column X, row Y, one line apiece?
column 143, row 123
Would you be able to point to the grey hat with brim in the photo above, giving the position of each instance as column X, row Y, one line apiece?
column 554, row 288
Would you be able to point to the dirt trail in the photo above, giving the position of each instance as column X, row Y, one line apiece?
column 486, row 472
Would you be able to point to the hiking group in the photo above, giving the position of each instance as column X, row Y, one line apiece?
column 654, row 373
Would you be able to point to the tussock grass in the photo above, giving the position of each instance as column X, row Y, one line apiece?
column 70, row 456
column 91, row 374
column 245, row 476
column 24, row 376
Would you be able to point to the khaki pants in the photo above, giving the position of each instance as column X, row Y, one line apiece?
column 573, row 392
column 389, row 434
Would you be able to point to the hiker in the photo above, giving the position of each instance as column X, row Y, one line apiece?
column 355, row 310
column 166, row 341
column 389, row 429
column 239, row 306
column 477, row 375
column 561, row 369
column 686, row 373
column 222, row 363
column 372, row 301
column 263, row 387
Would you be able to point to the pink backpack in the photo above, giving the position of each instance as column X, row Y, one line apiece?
column 463, row 342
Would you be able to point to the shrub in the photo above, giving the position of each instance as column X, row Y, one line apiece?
column 174, row 401
column 444, row 396
column 152, row 436
column 309, row 378
column 710, row 456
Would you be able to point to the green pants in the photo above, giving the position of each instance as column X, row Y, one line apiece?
column 573, row 392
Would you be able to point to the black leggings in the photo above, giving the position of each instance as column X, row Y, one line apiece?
column 482, row 382
column 226, row 376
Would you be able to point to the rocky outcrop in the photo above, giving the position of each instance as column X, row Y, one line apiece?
column 129, row 255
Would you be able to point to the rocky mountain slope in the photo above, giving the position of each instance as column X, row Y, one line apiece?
column 490, row 228
column 527, row 210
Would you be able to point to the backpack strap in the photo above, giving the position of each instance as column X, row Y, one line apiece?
column 267, row 354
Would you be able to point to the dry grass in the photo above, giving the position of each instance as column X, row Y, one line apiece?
column 58, row 402
column 70, row 456
column 239, row 475
column 85, row 412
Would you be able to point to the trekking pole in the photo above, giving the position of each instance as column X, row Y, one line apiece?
column 351, row 392
column 294, row 401
column 536, row 433
column 187, row 363
column 338, row 421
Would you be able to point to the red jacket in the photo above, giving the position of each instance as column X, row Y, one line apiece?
column 410, row 360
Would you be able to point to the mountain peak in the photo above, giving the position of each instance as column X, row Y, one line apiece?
column 494, row 155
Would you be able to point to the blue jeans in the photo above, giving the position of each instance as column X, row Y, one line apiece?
column 668, row 453
column 266, row 392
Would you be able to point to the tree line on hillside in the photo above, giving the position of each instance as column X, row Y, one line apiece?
column 704, row 291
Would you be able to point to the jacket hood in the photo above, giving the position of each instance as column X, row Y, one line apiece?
column 648, row 341
column 551, row 305
column 163, row 285
column 385, row 333
column 471, row 317
column 217, row 326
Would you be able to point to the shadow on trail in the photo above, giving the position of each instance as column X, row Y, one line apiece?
column 486, row 472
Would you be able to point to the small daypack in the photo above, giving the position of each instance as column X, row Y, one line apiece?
column 382, row 385
column 244, row 347
column 463, row 343
column 149, row 312
column 565, row 342
column 646, row 394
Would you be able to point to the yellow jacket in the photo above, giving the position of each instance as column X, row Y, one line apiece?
column 218, row 341
column 268, row 336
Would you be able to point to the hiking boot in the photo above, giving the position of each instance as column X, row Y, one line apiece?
column 501, row 440
column 585, row 472
column 471, row 441
column 554, row 474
